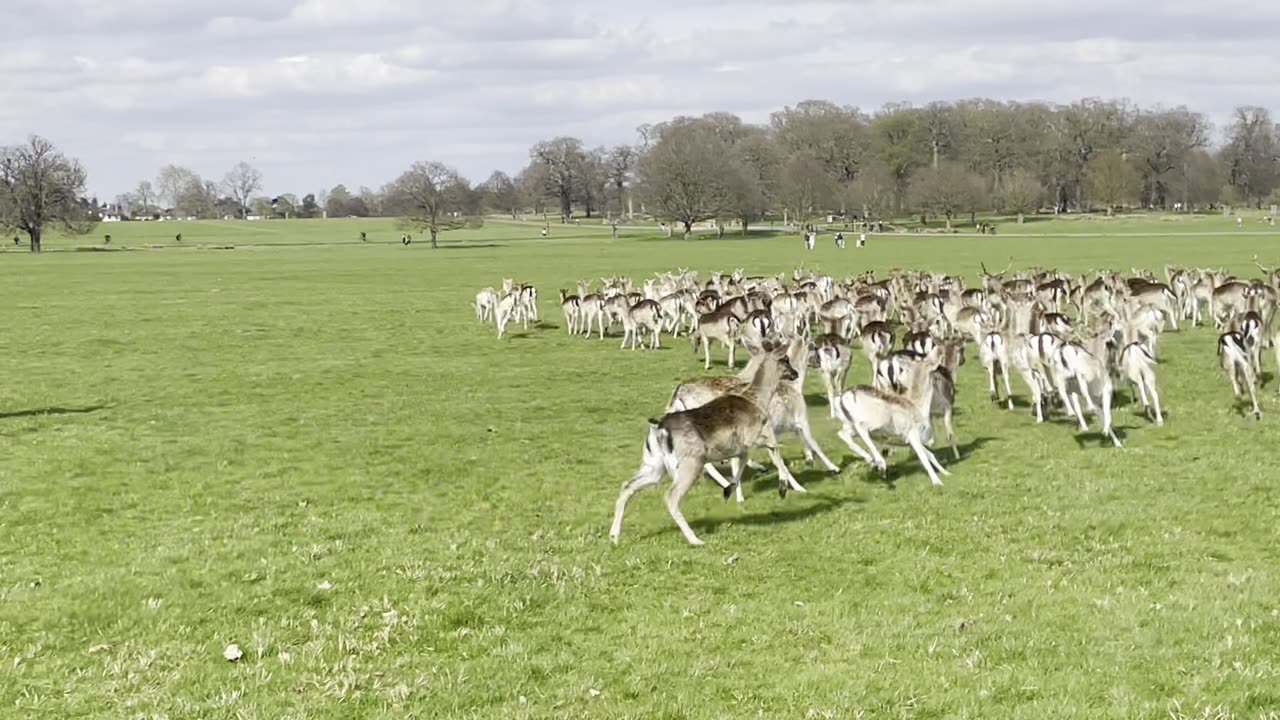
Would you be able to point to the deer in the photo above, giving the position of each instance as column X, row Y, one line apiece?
column 636, row 319
column 720, row 324
column 571, row 306
column 1233, row 357
column 682, row 443
column 993, row 351
column 890, row 369
column 877, row 342
column 486, row 304
column 832, row 355
column 864, row 409
column 1083, row 372
column 1137, row 363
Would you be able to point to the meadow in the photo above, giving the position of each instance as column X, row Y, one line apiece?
column 308, row 446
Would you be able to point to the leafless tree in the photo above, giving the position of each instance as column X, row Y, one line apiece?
column 172, row 181
column 426, row 194
column 947, row 191
column 1112, row 179
column 1022, row 193
column 563, row 159
column 1252, row 154
column 686, row 172
column 241, row 182
column 39, row 188
column 501, row 194
column 144, row 196
column 619, row 165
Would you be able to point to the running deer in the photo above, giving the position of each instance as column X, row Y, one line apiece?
column 863, row 410
column 1233, row 356
column 681, row 444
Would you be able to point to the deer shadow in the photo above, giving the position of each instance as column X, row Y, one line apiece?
column 790, row 513
column 34, row 412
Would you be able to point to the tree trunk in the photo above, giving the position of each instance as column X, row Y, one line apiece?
column 35, row 239
column 935, row 154
column 566, row 207
column 1021, row 218
column 948, row 222
column 434, row 231
column 744, row 226
column 1110, row 209
column 973, row 217
column 688, row 229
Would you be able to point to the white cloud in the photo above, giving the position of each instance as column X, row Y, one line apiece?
column 319, row 92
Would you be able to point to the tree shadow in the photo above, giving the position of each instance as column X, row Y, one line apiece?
column 51, row 411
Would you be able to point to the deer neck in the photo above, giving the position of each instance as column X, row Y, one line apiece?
column 765, row 383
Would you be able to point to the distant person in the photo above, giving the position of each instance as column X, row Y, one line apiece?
column 364, row 237
column 16, row 241
column 544, row 232
column 862, row 240
column 840, row 240
column 106, row 239
column 178, row 237
column 405, row 239
column 810, row 239
column 1239, row 221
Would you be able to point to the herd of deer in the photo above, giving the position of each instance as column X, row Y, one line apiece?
column 1070, row 339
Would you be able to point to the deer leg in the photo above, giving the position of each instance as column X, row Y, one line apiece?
column 1106, row 417
column 880, row 463
column 1008, row 391
column 687, row 472
column 711, row 471
column 923, row 454
column 706, row 351
column 1155, row 399
column 951, row 431
column 811, row 444
column 736, row 465
column 648, row 475
column 732, row 346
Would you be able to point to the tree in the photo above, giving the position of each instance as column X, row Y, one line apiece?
column 144, row 196
column 372, row 200
column 1112, row 180
column 591, row 186
column 1022, row 193
column 686, row 172
column 240, row 183
column 873, row 192
column 499, row 193
column 1251, row 154
column 946, row 191
column 426, row 193
column 804, row 188
column 286, row 206
column 309, row 207
column 41, row 188
column 262, row 207
column 1162, row 141
column 172, row 181
column 621, row 160
column 338, row 202
column 563, row 158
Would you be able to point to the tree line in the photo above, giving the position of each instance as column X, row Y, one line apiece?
column 939, row 160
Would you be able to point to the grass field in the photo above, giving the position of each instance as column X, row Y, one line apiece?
column 309, row 447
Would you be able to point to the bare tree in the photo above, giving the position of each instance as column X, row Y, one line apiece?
column 40, row 187
column 947, row 191
column 1252, row 153
column 1162, row 141
column 804, row 187
column 1022, row 193
column 1112, row 180
column 240, row 183
column 144, row 196
column 426, row 194
column 500, row 193
column 686, row 172
column 563, row 158
column 172, row 181
column 619, row 164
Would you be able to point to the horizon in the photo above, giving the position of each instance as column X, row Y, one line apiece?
column 315, row 93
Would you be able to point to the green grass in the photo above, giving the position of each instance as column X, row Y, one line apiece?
column 194, row 441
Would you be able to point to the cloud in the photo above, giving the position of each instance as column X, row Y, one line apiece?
column 320, row 92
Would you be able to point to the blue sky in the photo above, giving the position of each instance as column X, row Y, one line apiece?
column 320, row 92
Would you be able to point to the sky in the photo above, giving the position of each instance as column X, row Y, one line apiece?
column 319, row 92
